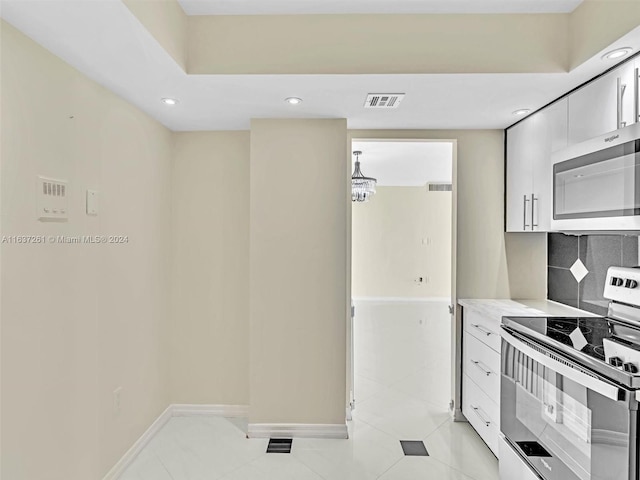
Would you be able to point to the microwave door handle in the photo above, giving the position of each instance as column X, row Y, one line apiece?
column 565, row 369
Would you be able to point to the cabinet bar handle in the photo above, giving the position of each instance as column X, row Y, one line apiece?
column 533, row 211
column 524, row 216
column 621, row 89
column 477, row 412
column 482, row 329
column 483, row 370
column 636, row 100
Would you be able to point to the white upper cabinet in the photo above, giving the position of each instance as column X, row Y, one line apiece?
column 604, row 105
column 634, row 96
column 519, row 176
column 556, row 124
column 529, row 169
column 551, row 133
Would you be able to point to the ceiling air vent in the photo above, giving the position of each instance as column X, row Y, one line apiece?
column 439, row 187
column 383, row 100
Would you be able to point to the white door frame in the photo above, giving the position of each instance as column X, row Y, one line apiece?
column 456, row 324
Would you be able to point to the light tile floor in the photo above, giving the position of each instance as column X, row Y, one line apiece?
column 402, row 355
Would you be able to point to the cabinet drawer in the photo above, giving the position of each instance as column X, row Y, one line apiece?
column 482, row 365
column 481, row 413
column 487, row 330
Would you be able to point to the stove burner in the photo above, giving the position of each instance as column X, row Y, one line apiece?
column 598, row 350
column 567, row 327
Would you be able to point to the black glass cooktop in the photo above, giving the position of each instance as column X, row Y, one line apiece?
column 594, row 340
column 581, row 333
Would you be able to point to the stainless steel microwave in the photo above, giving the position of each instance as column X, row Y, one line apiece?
column 596, row 184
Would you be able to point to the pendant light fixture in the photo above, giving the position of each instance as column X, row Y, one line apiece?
column 362, row 188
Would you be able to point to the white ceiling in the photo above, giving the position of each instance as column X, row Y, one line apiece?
column 292, row 7
column 105, row 41
column 405, row 164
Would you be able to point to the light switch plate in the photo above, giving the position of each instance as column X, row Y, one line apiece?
column 52, row 198
column 92, row 202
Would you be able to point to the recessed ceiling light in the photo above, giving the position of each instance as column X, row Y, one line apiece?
column 617, row 53
column 293, row 100
column 169, row 101
column 522, row 111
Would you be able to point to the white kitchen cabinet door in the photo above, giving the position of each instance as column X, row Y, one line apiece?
column 556, row 120
column 529, row 168
column 629, row 93
column 635, row 97
column 549, row 130
column 519, row 176
column 602, row 106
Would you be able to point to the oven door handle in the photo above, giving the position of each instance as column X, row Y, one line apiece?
column 564, row 368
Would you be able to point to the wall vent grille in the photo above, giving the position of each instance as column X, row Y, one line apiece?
column 383, row 100
column 440, row 187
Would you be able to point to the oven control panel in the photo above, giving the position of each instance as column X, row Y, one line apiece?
column 621, row 356
column 623, row 285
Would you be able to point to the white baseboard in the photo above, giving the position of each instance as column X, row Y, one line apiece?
column 403, row 299
column 176, row 410
column 297, row 430
column 187, row 410
column 128, row 458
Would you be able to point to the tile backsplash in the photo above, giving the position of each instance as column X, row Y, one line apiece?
column 577, row 267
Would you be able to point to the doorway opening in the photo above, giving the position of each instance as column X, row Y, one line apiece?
column 402, row 284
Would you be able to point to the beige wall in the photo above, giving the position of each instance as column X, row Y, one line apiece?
column 527, row 264
column 299, row 298
column 394, row 43
column 388, row 252
column 78, row 321
column 167, row 22
column 370, row 44
column 210, row 274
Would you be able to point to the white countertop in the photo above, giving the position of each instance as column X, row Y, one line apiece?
column 522, row 308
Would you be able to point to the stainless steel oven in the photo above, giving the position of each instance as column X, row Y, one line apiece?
column 567, row 422
column 596, row 184
column 570, row 388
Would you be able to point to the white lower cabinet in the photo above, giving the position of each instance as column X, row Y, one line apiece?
column 485, row 329
column 481, row 375
column 482, row 413
column 482, row 365
column 511, row 466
